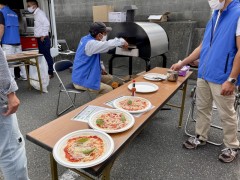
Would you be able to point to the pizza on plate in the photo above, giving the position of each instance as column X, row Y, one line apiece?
column 112, row 120
column 84, row 148
column 133, row 104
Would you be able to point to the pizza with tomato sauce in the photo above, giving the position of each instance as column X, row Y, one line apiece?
column 112, row 120
column 133, row 104
column 84, row 148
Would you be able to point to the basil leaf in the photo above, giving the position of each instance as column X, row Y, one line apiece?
column 82, row 140
column 129, row 102
column 123, row 119
column 100, row 122
column 88, row 151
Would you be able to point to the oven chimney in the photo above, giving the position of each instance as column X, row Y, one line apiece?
column 130, row 12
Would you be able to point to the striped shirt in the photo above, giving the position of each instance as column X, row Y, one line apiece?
column 7, row 83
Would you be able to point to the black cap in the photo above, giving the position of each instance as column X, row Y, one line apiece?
column 98, row 27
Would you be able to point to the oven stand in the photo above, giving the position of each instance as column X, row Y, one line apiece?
column 147, row 60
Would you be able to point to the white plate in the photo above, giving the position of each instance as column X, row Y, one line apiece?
column 155, row 77
column 116, row 104
column 59, row 155
column 94, row 117
column 144, row 87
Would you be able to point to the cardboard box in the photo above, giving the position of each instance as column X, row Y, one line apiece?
column 159, row 18
column 117, row 17
column 126, row 52
column 100, row 13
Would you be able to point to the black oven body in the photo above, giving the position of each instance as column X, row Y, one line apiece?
column 149, row 38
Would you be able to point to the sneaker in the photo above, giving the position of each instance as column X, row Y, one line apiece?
column 22, row 78
column 193, row 143
column 228, row 155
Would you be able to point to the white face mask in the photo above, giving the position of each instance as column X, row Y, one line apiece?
column 31, row 9
column 104, row 38
column 215, row 4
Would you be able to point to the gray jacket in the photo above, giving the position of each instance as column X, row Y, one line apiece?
column 7, row 83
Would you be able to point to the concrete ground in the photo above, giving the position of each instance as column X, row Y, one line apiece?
column 156, row 153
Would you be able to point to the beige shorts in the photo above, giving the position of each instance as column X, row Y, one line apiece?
column 104, row 86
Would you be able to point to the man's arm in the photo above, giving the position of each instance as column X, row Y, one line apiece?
column 192, row 57
column 13, row 103
column 1, row 31
column 227, row 87
column 95, row 47
column 2, row 24
column 44, row 23
column 7, row 87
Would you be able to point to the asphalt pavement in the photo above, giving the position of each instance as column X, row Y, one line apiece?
column 156, row 153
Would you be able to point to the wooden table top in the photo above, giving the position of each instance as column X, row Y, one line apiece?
column 21, row 56
column 47, row 135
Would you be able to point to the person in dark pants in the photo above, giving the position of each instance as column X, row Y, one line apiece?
column 41, row 29
column 44, row 48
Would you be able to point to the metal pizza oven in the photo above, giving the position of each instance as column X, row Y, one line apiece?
column 150, row 38
column 146, row 40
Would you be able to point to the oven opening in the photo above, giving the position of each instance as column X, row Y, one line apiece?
column 132, row 42
column 30, row 22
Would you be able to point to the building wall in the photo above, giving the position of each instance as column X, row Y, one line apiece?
column 81, row 10
column 185, row 27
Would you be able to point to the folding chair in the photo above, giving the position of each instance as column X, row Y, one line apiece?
column 68, row 88
column 64, row 48
column 191, row 114
column 237, row 101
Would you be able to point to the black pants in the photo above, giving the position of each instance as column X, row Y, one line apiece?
column 44, row 48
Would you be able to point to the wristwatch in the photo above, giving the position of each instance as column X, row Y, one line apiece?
column 232, row 80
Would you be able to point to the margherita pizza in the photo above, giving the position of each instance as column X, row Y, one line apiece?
column 84, row 148
column 112, row 120
column 133, row 104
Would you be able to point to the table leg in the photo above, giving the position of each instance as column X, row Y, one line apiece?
column 183, row 104
column 53, row 167
column 106, row 171
column 39, row 75
column 26, row 63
